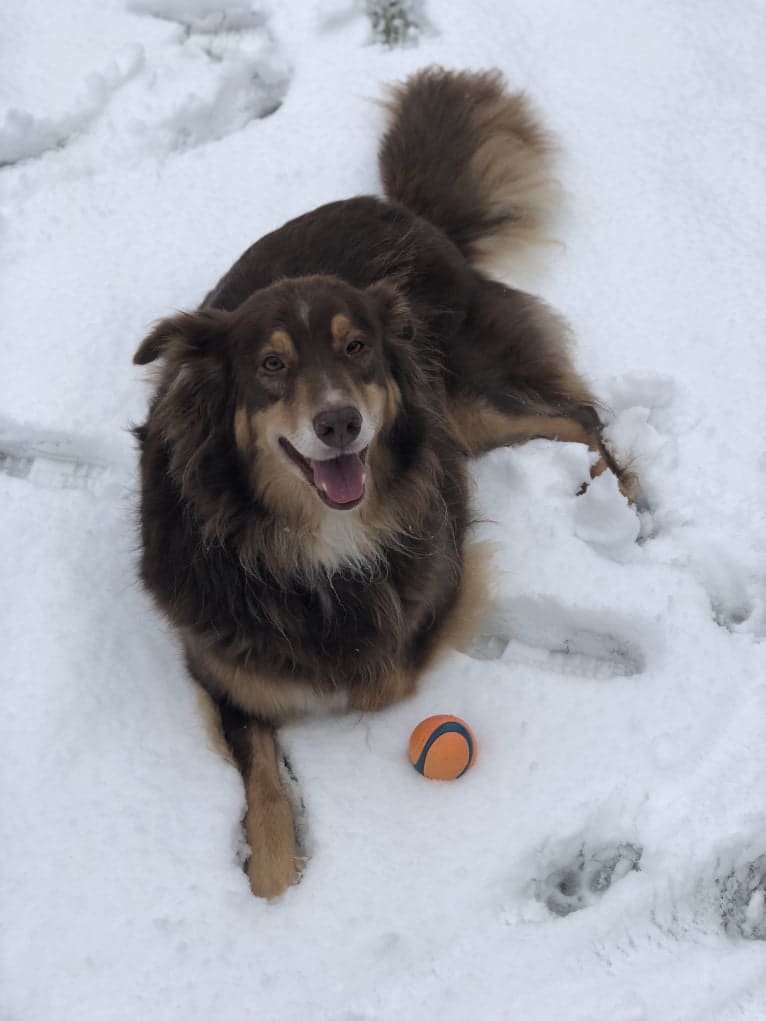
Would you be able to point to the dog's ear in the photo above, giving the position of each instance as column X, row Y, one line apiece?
column 393, row 308
column 182, row 336
column 190, row 424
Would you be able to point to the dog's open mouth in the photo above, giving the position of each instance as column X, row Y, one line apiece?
column 339, row 481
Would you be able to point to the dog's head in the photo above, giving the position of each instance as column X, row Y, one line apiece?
column 305, row 380
column 315, row 390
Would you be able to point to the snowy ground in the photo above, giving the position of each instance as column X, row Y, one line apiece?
column 606, row 858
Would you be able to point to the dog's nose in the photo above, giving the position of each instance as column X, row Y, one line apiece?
column 339, row 427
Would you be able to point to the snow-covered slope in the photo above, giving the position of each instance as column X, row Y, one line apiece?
column 606, row 858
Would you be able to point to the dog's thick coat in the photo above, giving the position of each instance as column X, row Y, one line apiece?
column 304, row 502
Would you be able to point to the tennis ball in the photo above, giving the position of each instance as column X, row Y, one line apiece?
column 442, row 747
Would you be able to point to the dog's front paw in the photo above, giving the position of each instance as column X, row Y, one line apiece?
column 270, row 878
column 274, row 863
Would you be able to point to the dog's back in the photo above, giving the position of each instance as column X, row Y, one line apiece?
column 468, row 172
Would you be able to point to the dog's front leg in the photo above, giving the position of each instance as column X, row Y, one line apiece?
column 269, row 823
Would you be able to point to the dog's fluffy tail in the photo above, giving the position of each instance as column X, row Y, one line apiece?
column 471, row 158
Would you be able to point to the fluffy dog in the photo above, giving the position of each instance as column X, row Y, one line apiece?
column 304, row 503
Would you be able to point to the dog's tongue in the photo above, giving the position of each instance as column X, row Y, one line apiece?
column 341, row 479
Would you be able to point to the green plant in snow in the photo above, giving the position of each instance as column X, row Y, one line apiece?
column 395, row 22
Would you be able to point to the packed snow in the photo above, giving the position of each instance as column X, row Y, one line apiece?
column 605, row 859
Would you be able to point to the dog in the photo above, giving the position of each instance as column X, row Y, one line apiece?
column 304, row 499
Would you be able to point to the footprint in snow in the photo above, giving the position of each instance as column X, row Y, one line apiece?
column 743, row 900
column 581, row 882
column 59, row 461
column 219, row 71
column 734, row 587
column 541, row 633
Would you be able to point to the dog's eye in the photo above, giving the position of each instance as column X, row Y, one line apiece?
column 354, row 347
column 273, row 364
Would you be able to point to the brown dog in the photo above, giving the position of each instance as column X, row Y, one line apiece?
column 304, row 499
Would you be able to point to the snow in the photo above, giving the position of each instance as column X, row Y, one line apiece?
column 606, row 857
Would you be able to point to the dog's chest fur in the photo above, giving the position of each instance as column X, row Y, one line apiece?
column 345, row 541
column 345, row 639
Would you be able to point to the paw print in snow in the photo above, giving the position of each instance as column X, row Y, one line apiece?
column 743, row 900
column 585, row 880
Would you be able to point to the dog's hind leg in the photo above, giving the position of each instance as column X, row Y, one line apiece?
column 273, row 865
column 510, row 378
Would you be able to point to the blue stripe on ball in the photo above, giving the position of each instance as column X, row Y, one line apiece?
column 445, row 728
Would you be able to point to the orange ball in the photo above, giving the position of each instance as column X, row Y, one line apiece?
column 442, row 747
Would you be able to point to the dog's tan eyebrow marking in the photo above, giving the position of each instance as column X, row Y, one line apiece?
column 281, row 343
column 340, row 327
